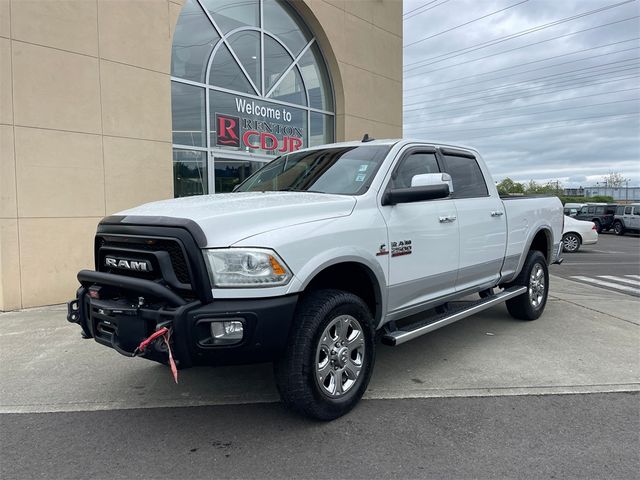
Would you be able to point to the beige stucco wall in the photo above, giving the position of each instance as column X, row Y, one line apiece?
column 85, row 118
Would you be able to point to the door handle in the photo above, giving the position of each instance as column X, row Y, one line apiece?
column 448, row 219
column 497, row 213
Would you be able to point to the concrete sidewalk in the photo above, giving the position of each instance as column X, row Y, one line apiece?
column 587, row 341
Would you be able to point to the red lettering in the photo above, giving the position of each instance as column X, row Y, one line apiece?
column 247, row 141
column 227, row 128
column 263, row 141
column 295, row 143
column 268, row 141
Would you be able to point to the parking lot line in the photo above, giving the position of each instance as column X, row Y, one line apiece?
column 620, row 279
column 602, row 283
column 633, row 276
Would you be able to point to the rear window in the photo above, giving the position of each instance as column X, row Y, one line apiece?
column 468, row 181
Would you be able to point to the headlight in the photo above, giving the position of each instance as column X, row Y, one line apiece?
column 246, row 267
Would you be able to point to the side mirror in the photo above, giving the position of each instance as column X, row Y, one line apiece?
column 415, row 194
column 428, row 179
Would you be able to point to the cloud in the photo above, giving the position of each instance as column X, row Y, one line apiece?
column 558, row 102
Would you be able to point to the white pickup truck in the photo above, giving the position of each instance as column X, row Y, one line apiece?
column 314, row 260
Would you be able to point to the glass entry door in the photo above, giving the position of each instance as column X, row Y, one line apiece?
column 226, row 171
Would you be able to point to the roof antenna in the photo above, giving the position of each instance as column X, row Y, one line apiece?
column 366, row 138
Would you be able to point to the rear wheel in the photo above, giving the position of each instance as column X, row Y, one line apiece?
column 534, row 276
column 329, row 359
column 618, row 228
column 571, row 242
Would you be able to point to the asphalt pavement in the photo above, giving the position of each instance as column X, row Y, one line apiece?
column 529, row 437
column 613, row 264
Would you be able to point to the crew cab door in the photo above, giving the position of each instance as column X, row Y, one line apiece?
column 423, row 238
column 481, row 219
column 633, row 218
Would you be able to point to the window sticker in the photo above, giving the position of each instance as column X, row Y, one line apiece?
column 360, row 177
column 363, row 167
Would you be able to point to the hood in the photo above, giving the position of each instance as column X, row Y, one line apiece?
column 227, row 218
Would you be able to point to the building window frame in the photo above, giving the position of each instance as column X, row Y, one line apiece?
column 211, row 150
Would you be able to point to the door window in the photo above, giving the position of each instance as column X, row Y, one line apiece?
column 600, row 210
column 189, row 172
column 591, row 209
column 467, row 177
column 417, row 163
column 627, row 210
column 230, row 172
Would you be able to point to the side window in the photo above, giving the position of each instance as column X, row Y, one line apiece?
column 619, row 210
column 414, row 164
column 583, row 210
column 468, row 180
column 591, row 209
column 636, row 210
column 627, row 210
column 599, row 210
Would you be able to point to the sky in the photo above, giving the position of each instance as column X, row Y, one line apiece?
column 546, row 90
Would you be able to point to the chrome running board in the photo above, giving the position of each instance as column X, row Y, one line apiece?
column 465, row 309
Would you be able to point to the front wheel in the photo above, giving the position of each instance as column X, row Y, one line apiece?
column 598, row 226
column 618, row 228
column 534, row 276
column 571, row 243
column 330, row 355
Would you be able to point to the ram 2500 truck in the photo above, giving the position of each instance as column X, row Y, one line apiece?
column 315, row 260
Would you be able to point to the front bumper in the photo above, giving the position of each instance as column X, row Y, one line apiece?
column 116, row 321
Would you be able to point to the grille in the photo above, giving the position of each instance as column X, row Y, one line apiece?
column 172, row 247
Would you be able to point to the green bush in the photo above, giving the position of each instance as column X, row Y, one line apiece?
column 595, row 199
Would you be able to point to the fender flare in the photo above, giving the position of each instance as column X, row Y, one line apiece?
column 351, row 254
column 549, row 253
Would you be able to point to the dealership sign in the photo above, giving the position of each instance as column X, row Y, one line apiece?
column 258, row 127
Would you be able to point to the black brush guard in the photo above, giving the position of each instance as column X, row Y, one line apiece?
column 122, row 322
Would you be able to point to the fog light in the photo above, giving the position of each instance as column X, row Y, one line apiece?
column 226, row 332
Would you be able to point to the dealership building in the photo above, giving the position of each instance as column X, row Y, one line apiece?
column 108, row 104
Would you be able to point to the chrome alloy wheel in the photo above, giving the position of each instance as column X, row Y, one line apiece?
column 339, row 356
column 571, row 243
column 536, row 285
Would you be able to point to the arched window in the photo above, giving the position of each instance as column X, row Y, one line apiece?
column 248, row 83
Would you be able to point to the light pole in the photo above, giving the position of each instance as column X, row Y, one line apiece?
column 626, row 190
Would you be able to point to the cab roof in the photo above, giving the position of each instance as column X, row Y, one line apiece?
column 391, row 142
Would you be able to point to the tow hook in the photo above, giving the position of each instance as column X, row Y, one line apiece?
column 165, row 334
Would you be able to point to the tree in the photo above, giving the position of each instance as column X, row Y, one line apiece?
column 534, row 188
column 508, row 186
column 614, row 179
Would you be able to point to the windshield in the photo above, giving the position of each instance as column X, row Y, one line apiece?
column 341, row 170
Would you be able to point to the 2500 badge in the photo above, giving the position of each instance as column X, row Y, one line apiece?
column 401, row 248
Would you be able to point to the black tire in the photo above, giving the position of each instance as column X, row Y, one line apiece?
column 296, row 373
column 618, row 228
column 598, row 226
column 523, row 307
column 571, row 242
